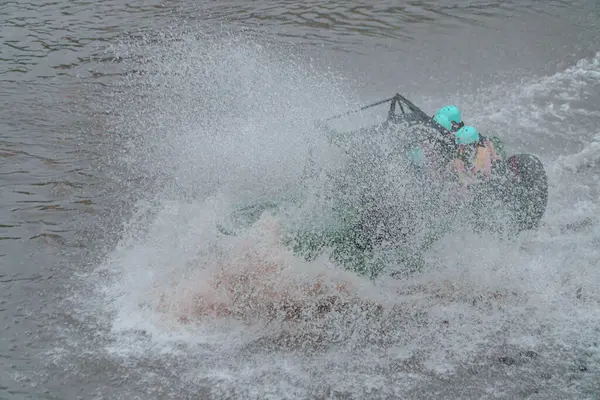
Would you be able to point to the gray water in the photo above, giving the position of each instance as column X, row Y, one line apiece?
column 127, row 129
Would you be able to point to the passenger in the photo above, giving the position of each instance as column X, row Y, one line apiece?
column 475, row 156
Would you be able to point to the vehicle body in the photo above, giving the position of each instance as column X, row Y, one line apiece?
column 381, row 204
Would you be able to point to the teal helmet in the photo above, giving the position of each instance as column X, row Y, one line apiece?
column 443, row 121
column 452, row 113
column 466, row 135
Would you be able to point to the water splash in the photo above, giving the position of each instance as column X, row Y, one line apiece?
column 474, row 309
column 254, row 278
column 550, row 112
column 222, row 113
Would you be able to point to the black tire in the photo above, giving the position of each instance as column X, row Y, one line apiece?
column 528, row 190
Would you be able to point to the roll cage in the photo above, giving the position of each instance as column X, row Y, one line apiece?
column 414, row 116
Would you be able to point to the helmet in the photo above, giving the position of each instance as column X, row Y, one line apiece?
column 450, row 112
column 466, row 135
column 453, row 115
column 443, row 121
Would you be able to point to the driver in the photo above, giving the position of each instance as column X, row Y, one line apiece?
column 420, row 154
column 448, row 117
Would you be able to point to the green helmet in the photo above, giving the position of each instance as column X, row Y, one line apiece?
column 450, row 112
column 466, row 135
column 443, row 121
column 453, row 115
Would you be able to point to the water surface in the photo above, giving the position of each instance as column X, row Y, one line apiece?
column 109, row 104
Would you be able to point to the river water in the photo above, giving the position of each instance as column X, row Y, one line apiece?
column 126, row 129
